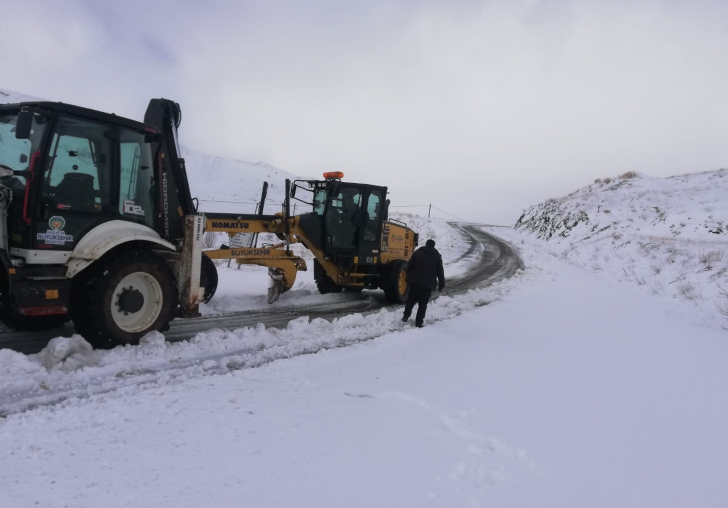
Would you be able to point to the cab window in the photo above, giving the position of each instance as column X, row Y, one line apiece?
column 372, row 216
column 319, row 201
column 135, row 189
column 343, row 218
column 77, row 175
column 17, row 154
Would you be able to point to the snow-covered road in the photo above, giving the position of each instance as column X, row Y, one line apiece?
column 481, row 258
column 555, row 388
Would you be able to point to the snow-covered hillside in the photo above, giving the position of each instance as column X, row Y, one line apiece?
column 227, row 185
column 10, row 97
column 667, row 235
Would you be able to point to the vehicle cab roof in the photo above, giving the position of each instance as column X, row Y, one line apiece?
column 79, row 111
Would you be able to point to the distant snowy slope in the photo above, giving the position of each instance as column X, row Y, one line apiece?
column 226, row 185
column 684, row 207
column 667, row 235
column 9, row 97
column 449, row 240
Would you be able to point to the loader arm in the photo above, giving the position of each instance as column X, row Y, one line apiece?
column 173, row 189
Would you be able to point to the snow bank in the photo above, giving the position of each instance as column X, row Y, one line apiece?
column 667, row 235
column 66, row 353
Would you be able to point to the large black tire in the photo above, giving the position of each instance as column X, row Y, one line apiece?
column 394, row 282
column 100, row 298
column 208, row 278
column 10, row 316
column 324, row 283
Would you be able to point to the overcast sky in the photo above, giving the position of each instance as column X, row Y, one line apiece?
column 480, row 107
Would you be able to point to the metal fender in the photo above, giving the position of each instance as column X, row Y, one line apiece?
column 105, row 237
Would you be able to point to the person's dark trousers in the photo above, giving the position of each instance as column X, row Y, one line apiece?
column 417, row 295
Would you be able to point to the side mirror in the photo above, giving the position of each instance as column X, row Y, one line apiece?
column 385, row 211
column 293, row 190
column 24, row 125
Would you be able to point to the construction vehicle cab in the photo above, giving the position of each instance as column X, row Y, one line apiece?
column 78, row 187
column 86, row 168
column 349, row 229
column 347, row 218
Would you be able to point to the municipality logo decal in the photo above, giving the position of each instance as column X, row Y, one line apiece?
column 56, row 223
column 55, row 235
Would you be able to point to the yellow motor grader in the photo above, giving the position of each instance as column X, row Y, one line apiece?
column 354, row 245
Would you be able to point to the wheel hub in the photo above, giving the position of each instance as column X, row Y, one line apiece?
column 131, row 300
column 402, row 282
column 136, row 302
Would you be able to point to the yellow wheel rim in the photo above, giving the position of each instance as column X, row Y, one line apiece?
column 402, row 286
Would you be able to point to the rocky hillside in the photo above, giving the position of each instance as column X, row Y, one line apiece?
column 667, row 235
column 686, row 207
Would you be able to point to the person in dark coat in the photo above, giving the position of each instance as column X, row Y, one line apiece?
column 424, row 274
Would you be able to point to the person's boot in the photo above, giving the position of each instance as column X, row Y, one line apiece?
column 419, row 325
column 405, row 318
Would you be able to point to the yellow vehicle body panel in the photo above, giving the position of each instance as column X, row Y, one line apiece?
column 398, row 242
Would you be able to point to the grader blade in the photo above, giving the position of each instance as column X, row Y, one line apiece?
column 277, row 284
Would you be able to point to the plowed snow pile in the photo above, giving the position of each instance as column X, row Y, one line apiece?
column 667, row 235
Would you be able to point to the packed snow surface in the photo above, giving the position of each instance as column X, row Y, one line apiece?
column 559, row 387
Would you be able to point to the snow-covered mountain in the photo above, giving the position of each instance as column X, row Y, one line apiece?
column 221, row 185
column 667, row 235
column 10, row 97
column 227, row 185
